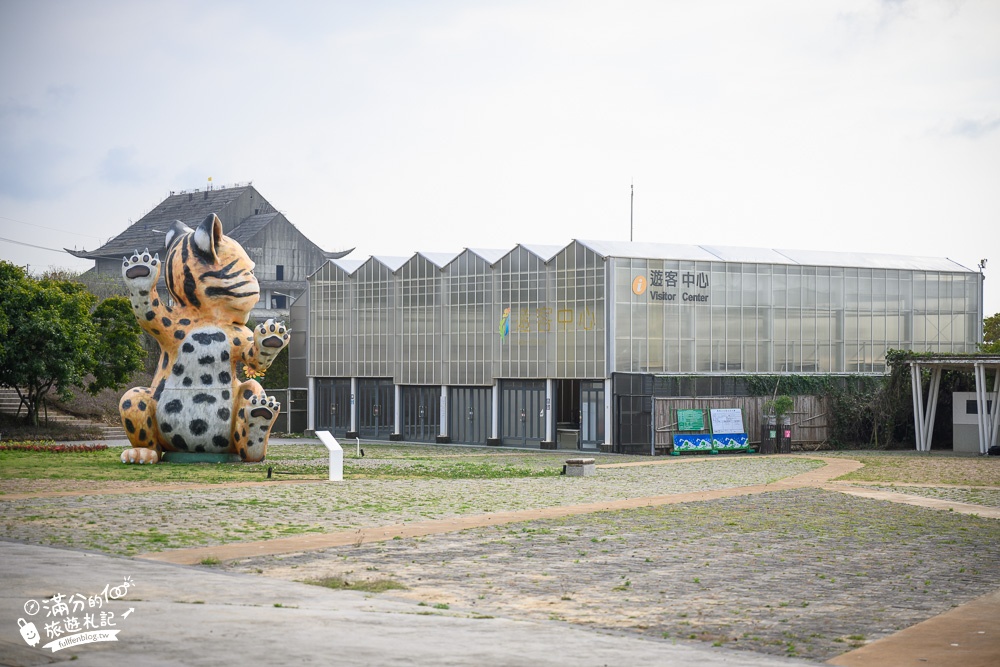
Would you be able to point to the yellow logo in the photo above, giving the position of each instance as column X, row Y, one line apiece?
column 639, row 285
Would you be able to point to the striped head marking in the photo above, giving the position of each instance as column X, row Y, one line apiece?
column 209, row 271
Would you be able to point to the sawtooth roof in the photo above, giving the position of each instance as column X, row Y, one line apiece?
column 698, row 253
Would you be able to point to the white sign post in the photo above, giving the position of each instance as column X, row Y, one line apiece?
column 336, row 455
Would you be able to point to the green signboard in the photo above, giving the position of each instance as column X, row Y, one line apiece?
column 690, row 420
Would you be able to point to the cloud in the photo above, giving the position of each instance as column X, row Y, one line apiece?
column 12, row 109
column 119, row 167
column 972, row 128
column 30, row 170
column 60, row 96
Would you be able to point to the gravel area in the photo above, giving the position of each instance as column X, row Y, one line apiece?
column 157, row 520
column 803, row 573
column 11, row 486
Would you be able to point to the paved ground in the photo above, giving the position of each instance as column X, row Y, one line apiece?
column 193, row 616
column 732, row 567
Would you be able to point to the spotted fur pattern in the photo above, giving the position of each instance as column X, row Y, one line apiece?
column 196, row 402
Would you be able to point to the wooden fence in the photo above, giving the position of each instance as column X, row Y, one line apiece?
column 810, row 426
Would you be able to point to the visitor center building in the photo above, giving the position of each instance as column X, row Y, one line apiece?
column 539, row 346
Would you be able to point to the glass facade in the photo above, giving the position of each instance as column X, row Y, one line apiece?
column 695, row 317
column 417, row 349
column 469, row 322
column 331, row 323
column 520, row 348
column 464, row 324
column 528, row 315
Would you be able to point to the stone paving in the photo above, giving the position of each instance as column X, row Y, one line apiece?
column 800, row 573
column 193, row 516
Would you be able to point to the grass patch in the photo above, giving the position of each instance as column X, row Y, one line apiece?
column 298, row 461
column 367, row 585
column 925, row 468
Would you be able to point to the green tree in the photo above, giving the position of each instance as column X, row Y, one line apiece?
column 58, row 337
column 991, row 334
column 121, row 352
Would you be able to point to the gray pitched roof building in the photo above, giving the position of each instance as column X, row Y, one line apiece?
column 284, row 255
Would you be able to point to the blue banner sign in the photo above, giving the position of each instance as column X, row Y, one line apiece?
column 706, row 443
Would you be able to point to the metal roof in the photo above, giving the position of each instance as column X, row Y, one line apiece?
column 491, row 255
column 247, row 229
column 873, row 260
column 631, row 250
column 440, row 259
column 747, row 255
column 708, row 253
column 543, row 251
column 394, row 263
column 697, row 253
column 188, row 207
column 349, row 266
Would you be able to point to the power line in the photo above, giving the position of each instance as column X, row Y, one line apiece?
column 32, row 245
column 51, row 229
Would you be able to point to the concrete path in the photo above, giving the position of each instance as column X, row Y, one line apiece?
column 966, row 636
column 193, row 616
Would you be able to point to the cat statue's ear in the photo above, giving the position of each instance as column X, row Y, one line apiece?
column 176, row 230
column 207, row 236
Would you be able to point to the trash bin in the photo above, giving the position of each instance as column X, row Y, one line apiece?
column 785, row 438
column 768, row 435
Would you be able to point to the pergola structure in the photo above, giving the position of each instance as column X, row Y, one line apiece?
column 923, row 413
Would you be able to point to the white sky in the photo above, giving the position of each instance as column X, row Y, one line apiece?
column 851, row 125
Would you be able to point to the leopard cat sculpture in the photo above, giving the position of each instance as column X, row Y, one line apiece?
column 197, row 402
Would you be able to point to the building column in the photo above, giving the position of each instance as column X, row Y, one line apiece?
column 609, row 424
column 923, row 415
column 354, row 407
column 549, row 395
column 443, row 436
column 397, row 417
column 495, row 417
column 988, row 420
column 310, row 406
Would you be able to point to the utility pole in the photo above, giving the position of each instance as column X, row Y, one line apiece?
column 631, row 207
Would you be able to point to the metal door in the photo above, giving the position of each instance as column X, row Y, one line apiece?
column 522, row 413
column 470, row 414
column 421, row 408
column 591, row 413
column 333, row 405
column 376, row 408
column 635, row 424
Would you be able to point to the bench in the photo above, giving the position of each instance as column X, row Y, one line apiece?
column 579, row 467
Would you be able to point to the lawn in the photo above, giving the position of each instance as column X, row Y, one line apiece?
column 931, row 469
column 292, row 461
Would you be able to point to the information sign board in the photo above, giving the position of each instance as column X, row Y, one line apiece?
column 690, row 420
column 727, row 420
